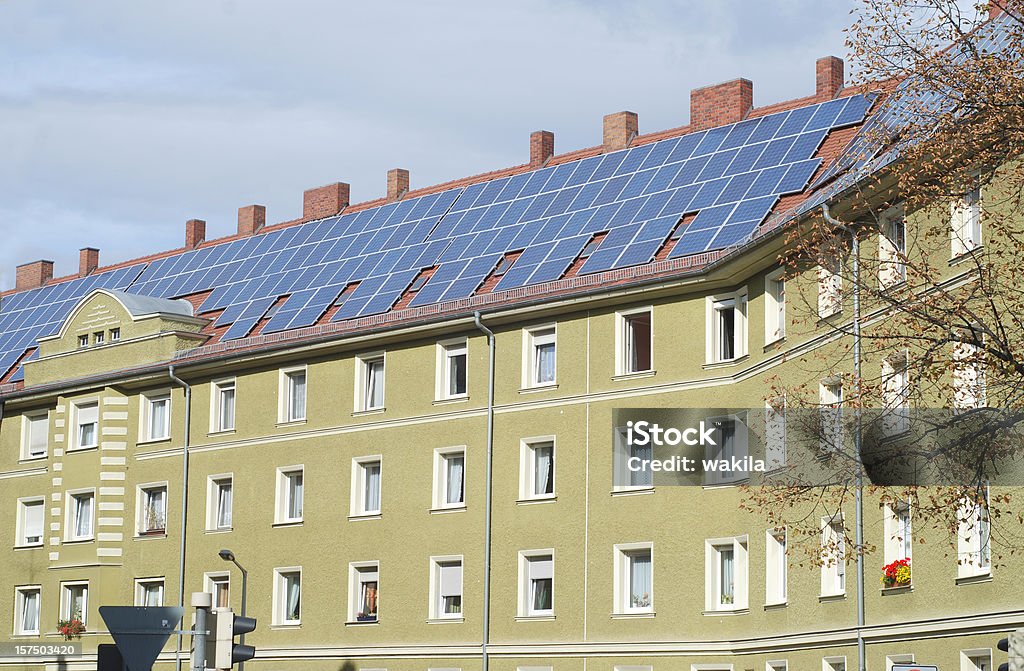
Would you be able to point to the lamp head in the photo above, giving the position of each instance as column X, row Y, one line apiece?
column 227, row 555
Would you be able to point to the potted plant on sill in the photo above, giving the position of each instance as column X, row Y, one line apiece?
column 896, row 574
column 71, row 629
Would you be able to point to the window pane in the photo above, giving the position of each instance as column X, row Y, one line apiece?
column 293, row 596
column 454, row 478
column 457, row 373
column 545, row 363
column 638, row 337
column 297, row 396
column 83, row 515
column 374, row 384
column 158, row 418
column 643, row 477
column 33, row 523
column 544, row 469
column 227, row 408
column 294, row 496
column 367, row 598
column 30, row 611
column 224, row 493
column 371, row 487
column 38, row 438
column 727, row 576
column 640, row 579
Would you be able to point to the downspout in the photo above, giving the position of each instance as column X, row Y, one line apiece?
column 859, row 491
column 184, row 502
column 487, row 487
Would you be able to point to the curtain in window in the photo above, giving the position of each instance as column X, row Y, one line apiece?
column 227, row 409
column 455, row 465
column 30, row 611
column 293, row 588
column 295, row 500
column 224, row 505
column 544, row 469
column 156, row 510
column 640, row 580
column 298, row 396
column 728, row 576
column 644, row 477
column 545, row 362
column 83, row 516
column 76, row 602
column 151, row 595
column 158, row 419
column 368, row 597
column 371, row 472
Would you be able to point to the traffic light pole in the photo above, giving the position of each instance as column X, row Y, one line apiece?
column 202, row 602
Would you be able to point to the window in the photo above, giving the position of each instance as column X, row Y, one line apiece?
column 776, row 665
column 287, row 595
column 892, row 249
column 537, row 469
column 370, row 382
column 503, row 266
column 219, row 585
column 890, row 660
column 969, row 372
column 539, row 357
column 591, row 248
column 635, row 336
column 830, row 414
column 416, row 285
column 219, row 502
column 896, row 394
column 634, row 578
column 627, row 454
column 833, row 556
column 833, row 664
column 363, row 591
column 30, row 521
column 451, row 372
column 366, row 472
column 449, row 478
column 149, row 592
column 26, row 610
column 293, row 395
column 899, row 539
column 726, row 574
column 730, row 435
column 536, row 583
column 74, row 601
column 776, row 567
column 774, row 306
column 223, row 406
column 830, row 287
column 446, row 588
column 115, row 335
column 87, row 422
column 156, row 411
column 152, row 513
column 974, row 552
column 289, row 494
column 80, row 514
column 976, row 660
column 83, row 341
column 727, row 327
column 35, row 435
column 775, row 433
column 965, row 216
column 98, row 337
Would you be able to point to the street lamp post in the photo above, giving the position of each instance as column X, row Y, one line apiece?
column 228, row 555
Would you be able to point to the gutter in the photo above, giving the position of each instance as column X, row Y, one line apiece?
column 184, row 502
column 485, row 639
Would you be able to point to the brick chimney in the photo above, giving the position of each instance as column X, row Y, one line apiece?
column 721, row 104
column 619, row 130
column 32, row 275
column 195, row 233
column 829, row 76
column 88, row 260
column 251, row 219
column 398, row 184
column 542, row 147
column 325, row 201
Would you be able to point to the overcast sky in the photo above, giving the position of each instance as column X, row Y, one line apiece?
column 120, row 120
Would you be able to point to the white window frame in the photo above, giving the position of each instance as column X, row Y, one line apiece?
column 830, row 399
column 833, row 569
column 211, row 583
column 837, row 663
column 21, row 523
column 213, row 498
column 65, row 599
column 280, row 605
column 534, row 338
column 528, row 468
column 141, row 585
column 624, row 451
column 440, row 491
column 446, row 351
column 436, row 604
column 776, row 665
column 774, row 306
column 526, row 578
column 357, row 571
column 974, row 539
column 218, row 389
column 284, row 494
column 624, row 341
column 71, row 515
column 890, row 660
column 713, row 578
column 31, row 422
column 622, row 579
column 20, row 595
column 142, row 496
column 736, row 303
column 357, row 503
column 740, row 449
column 776, row 567
column 969, row 374
column 148, row 402
column 286, row 389
column 830, row 288
column 77, row 408
column 363, row 367
column 892, row 248
column 968, row 656
column 966, row 213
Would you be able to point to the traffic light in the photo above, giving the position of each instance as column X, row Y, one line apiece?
column 1004, row 645
column 1013, row 646
column 226, row 625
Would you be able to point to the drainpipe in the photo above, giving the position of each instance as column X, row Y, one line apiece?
column 859, row 491
column 487, row 487
column 184, row 502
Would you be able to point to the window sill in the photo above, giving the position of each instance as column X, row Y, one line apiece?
column 21, row 635
column 830, row 315
column 286, row 626
column 77, row 541
column 535, row 618
column 828, row 598
column 537, row 388
column 359, row 517
column 635, row 375
column 633, row 616
column 33, row 460
column 224, row 530
column 369, row 411
column 965, row 255
column 462, row 398
column 285, row 423
column 290, row 523
column 449, row 509
column 150, row 535
column 776, row 606
column 727, row 611
column 446, row 620
column 721, row 485
column 777, row 343
column 361, row 623
column 28, row 546
column 901, row 589
column 725, row 363
column 221, row 432
column 153, row 441
column 972, row 579
column 551, row 498
column 88, row 448
column 633, row 490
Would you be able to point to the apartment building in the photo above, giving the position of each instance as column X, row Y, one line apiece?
column 398, row 415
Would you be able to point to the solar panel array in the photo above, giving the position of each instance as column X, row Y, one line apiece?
column 728, row 177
